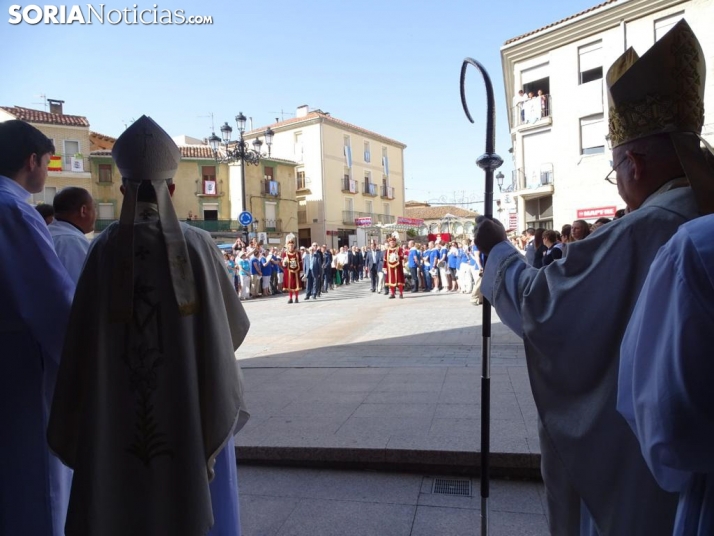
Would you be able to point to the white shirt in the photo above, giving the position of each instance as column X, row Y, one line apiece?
column 71, row 246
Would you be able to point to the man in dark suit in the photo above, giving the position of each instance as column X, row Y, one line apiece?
column 347, row 268
column 326, row 268
column 312, row 264
column 374, row 261
column 357, row 263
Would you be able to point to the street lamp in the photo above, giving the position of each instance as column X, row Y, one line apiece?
column 499, row 181
column 239, row 151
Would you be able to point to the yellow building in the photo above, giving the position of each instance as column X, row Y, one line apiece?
column 343, row 172
column 70, row 136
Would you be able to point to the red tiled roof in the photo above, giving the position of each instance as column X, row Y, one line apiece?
column 103, row 137
column 514, row 39
column 437, row 213
column 38, row 116
column 196, row 151
column 318, row 113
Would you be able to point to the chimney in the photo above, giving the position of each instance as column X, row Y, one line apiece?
column 55, row 106
column 302, row 111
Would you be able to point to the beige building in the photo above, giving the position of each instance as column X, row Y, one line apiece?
column 70, row 136
column 343, row 172
column 560, row 151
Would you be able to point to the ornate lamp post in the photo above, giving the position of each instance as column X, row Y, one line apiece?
column 499, row 181
column 239, row 151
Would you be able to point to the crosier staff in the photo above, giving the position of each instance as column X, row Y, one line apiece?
column 489, row 161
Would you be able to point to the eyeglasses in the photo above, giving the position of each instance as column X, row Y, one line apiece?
column 609, row 178
column 612, row 180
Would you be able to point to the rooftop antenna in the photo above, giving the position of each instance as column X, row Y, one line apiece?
column 44, row 100
column 282, row 114
column 213, row 124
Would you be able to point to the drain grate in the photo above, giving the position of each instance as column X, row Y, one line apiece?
column 451, row 486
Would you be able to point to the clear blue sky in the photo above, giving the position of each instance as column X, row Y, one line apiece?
column 391, row 66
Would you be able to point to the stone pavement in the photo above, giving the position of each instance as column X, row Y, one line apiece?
column 356, row 380
column 279, row 501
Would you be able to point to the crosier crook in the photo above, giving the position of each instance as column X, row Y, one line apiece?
column 489, row 161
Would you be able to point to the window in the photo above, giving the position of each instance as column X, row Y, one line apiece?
column 298, row 148
column 368, row 207
column 590, row 60
column 663, row 25
column 268, row 173
column 592, row 134
column 46, row 196
column 349, row 206
column 348, row 152
column 71, row 148
column 105, row 173
column 208, row 175
column 386, row 209
column 367, row 155
column 301, row 180
column 105, row 211
column 539, row 212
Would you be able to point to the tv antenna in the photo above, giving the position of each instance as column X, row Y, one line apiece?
column 282, row 114
column 44, row 100
column 213, row 125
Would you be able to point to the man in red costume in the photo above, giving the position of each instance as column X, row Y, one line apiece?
column 292, row 263
column 393, row 265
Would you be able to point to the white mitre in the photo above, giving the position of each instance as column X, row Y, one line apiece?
column 145, row 152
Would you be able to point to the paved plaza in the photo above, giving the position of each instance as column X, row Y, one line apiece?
column 359, row 402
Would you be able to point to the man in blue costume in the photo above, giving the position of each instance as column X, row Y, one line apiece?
column 149, row 394
column 36, row 294
column 666, row 373
column 597, row 481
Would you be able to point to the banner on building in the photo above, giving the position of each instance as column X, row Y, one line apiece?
column 363, row 222
column 209, row 187
column 512, row 220
column 598, row 212
column 413, row 222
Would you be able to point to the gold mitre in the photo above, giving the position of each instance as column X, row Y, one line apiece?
column 663, row 91
column 145, row 152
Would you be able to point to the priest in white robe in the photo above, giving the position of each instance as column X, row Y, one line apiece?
column 150, row 393
column 572, row 314
column 35, row 297
column 667, row 374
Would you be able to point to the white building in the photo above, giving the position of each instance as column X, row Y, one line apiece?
column 560, row 151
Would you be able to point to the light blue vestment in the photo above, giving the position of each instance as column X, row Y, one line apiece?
column 35, row 298
column 572, row 315
column 71, row 246
column 667, row 373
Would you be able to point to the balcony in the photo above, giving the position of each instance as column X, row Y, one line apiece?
column 205, row 188
column 66, row 163
column 537, row 111
column 270, row 188
column 272, row 226
column 349, row 217
column 369, row 188
column 387, row 192
column 533, row 182
column 349, row 185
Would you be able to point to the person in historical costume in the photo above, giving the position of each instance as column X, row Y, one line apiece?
column 595, row 476
column 36, row 294
column 393, row 266
column 149, row 393
column 292, row 263
column 666, row 373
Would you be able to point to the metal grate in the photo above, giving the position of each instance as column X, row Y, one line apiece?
column 451, row 486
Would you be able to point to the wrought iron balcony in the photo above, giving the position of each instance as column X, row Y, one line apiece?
column 272, row 226
column 369, row 188
column 534, row 179
column 532, row 111
column 387, row 192
column 270, row 188
column 349, row 185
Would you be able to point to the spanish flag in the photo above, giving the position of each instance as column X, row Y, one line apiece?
column 55, row 163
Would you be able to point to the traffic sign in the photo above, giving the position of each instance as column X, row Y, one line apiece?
column 245, row 218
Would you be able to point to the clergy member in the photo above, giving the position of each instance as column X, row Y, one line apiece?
column 149, row 395
column 666, row 373
column 75, row 215
column 591, row 461
column 35, row 297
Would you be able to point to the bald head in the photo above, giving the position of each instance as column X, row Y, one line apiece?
column 76, row 206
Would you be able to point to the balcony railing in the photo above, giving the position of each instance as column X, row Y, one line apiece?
column 272, row 226
column 387, row 192
column 270, row 188
column 531, row 111
column 68, row 163
column 533, row 179
column 349, row 185
column 209, row 188
column 370, row 189
column 349, row 216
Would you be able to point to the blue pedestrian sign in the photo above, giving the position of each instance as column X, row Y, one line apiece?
column 245, row 218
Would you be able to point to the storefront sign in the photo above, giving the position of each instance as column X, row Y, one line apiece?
column 599, row 212
column 413, row 222
column 513, row 220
